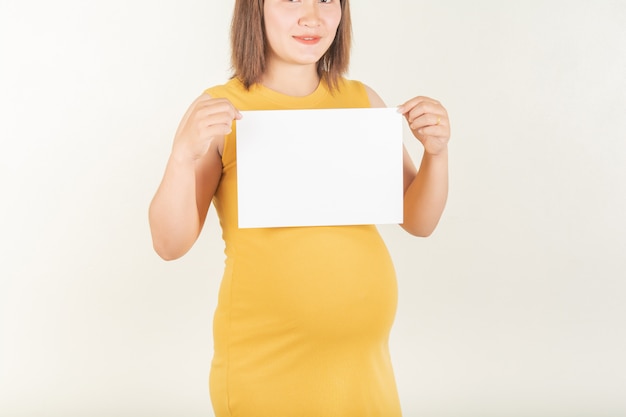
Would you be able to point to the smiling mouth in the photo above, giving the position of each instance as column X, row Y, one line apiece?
column 307, row 39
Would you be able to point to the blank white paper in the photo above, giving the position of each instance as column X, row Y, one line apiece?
column 323, row 167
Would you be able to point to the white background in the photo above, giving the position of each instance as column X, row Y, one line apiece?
column 514, row 307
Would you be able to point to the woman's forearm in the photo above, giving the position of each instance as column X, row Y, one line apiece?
column 426, row 196
column 173, row 214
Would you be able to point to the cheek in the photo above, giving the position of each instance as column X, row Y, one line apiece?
column 333, row 20
column 273, row 29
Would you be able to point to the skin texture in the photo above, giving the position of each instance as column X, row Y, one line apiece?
column 299, row 33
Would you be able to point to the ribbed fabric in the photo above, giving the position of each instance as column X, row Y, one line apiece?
column 304, row 313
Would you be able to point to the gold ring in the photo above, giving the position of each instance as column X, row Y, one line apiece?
column 438, row 120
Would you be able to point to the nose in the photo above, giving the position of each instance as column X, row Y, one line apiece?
column 310, row 14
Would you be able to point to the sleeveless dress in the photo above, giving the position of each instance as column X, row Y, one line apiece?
column 303, row 317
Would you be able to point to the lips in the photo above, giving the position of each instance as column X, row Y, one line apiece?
column 308, row 40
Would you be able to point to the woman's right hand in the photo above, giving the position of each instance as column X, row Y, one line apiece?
column 206, row 119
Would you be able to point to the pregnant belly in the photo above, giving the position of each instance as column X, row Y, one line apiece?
column 327, row 282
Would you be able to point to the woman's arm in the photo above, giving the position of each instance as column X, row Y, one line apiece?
column 180, row 205
column 426, row 190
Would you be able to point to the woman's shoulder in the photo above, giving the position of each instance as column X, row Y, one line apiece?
column 348, row 84
column 358, row 88
column 234, row 85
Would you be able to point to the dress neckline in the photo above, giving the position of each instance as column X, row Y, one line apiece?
column 287, row 101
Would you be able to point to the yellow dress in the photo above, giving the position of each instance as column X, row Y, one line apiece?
column 302, row 323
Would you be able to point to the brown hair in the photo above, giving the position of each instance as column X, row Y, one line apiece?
column 248, row 45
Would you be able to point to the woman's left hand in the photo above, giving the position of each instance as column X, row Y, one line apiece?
column 429, row 122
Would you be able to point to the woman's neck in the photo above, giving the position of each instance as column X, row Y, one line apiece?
column 291, row 80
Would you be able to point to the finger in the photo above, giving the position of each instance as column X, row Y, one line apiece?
column 207, row 102
column 427, row 119
column 424, row 108
column 216, row 130
column 436, row 131
column 415, row 102
column 220, row 124
column 219, row 109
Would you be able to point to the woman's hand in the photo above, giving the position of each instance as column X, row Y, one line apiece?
column 206, row 119
column 429, row 122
